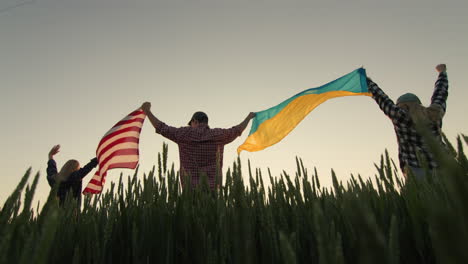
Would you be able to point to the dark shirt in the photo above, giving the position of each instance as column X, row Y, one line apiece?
column 74, row 181
column 200, row 150
column 410, row 142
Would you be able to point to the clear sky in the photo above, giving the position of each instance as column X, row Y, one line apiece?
column 70, row 70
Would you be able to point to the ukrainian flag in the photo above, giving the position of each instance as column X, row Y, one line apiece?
column 272, row 125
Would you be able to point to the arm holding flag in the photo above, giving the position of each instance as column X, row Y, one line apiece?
column 146, row 107
column 82, row 172
column 241, row 127
column 246, row 121
column 161, row 127
column 224, row 136
column 386, row 104
column 228, row 135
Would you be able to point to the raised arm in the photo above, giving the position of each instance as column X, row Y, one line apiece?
column 232, row 133
column 169, row 132
column 146, row 107
column 52, row 165
column 244, row 123
column 385, row 103
column 82, row 172
column 439, row 97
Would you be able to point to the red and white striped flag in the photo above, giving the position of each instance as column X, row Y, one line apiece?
column 117, row 149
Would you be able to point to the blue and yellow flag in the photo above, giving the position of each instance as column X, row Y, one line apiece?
column 272, row 125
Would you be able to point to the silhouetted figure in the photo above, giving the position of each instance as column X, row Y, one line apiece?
column 201, row 148
column 406, row 113
column 69, row 177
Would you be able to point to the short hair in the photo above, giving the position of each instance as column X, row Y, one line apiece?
column 200, row 117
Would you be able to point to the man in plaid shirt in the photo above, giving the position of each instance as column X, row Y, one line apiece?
column 200, row 147
column 405, row 112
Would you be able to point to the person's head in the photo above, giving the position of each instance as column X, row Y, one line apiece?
column 197, row 119
column 411, row 103
column 408, row 98
column 68, row 168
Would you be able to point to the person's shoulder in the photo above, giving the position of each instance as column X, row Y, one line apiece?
column 173, row 128
column 223, row 131
column 185, row 129
column 217, row 129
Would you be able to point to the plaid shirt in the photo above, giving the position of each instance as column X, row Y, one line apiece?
column 409, row 141
column 200, row 150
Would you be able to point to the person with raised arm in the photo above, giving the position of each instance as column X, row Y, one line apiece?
column 69, row 178
column 201, row 148
column 406, row 113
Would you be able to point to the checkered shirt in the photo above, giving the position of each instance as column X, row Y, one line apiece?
column 409, row 141
column 200, row 151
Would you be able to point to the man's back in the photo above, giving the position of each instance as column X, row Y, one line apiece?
column 200, row 150
column 200, row 147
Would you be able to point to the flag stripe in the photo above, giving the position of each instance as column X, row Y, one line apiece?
column 135, row 119
column 272, row 125
column 118, row 148
column 125, row 124
column 285, row 121
column 118, row 141
column 129, row 165
column 116, row 155
column 92, row 189
column 353, row 82
column 111, row 151
column 96, row 180
column 135, row 113
column 116, row 133
column 117, row 136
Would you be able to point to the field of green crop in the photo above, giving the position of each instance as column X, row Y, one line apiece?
column 292, row 220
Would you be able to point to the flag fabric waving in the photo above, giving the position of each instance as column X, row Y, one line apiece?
column 272, row 125
column 117, row 149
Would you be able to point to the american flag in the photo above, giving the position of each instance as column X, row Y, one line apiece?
column 117, row 149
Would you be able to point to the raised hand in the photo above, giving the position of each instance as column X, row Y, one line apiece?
column 441, row 68
column 146, row 106
column 55, row 149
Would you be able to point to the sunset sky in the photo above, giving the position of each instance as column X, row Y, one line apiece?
column 71, row 69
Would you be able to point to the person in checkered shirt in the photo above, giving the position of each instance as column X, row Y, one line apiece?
column 409, row 111
column 200, row 147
